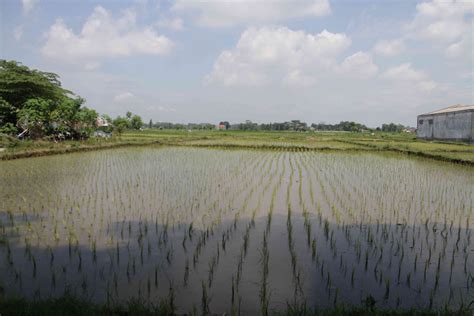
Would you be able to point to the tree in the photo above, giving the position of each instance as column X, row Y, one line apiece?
column 7, row 113
column 136, row 122
column 63, row 118
column 392, row 128
column 34, row 116
column 226, row 124
column 18, row 84
column 120, row 124
column 35, row 102
column 150, row 124
column 107, row 118
column 8, row 129
column 85, row 122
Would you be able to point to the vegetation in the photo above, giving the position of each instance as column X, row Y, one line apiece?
column 404, row 143
column 34, row 106
column 130, row 121
column 34, row 103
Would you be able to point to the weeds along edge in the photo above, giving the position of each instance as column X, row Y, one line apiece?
column 387, row 148
column 67, row 150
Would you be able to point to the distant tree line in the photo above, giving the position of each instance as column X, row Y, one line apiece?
column 188, row 126
column 297, row 125
column 34, row 104
column 294, row 125
column 393, row 128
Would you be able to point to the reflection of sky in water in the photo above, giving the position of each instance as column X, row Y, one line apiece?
column 118, row 224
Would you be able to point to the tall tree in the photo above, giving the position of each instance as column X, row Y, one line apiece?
column 136, row 122
column 19, row 83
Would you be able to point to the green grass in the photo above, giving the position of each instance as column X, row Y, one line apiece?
column 279, row 140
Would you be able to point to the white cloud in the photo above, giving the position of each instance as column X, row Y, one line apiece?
column 124, row 96
column 216, row 13
column 444, row 8
column 406, row 74
column 166, row 109
column 91, row 65
column 403, row 72
column 298, row 79
column 102, row 36
column 28, row 5
column 447, row 23
column 460, row 48
column 283, row 56
column 389, row 47
column 175, row 24
column 359, row 65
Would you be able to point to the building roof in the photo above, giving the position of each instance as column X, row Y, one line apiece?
column 452, row 108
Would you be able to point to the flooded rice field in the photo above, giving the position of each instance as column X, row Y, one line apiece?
column 238, row 231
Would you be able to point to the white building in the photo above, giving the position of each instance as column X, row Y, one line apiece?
column 452, row 123
column 101, row 122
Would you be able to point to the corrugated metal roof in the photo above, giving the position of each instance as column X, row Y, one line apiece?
column 452, row 108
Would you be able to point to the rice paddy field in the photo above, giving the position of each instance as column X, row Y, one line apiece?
column 405, row 143
column 239, row 231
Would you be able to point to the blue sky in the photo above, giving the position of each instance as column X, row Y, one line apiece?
column 266, row 60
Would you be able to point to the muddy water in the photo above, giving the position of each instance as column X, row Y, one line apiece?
column 254, row 230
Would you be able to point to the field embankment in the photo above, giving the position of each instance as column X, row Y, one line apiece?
column 287, row 141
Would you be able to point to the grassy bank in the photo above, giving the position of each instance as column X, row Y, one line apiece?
column 71, row 306
column 292, row 141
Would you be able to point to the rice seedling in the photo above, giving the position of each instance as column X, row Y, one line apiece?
column 339, row 227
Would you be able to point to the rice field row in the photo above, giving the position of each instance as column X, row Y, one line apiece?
column 240, row 232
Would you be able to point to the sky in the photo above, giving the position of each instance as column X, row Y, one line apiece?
column 185, row 61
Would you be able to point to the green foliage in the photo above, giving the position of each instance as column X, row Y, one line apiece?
column 120, row 124
column 34, row 101
column 392, row 128
column 130, row 121
column 8, row 129
column 7, row 141
column 34, row 116
column 342, row 126
column 136, row 122
column 19, row 83
column 60, row 120
column 7, row 112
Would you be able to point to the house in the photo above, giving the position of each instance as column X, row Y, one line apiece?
column 454, row 123
column 223, row 125
column 102, row 134
column 101, row 122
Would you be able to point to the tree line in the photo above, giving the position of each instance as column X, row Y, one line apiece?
column 294, row 125
column 297, row 125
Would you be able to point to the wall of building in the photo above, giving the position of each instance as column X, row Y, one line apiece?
column 446, row 126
